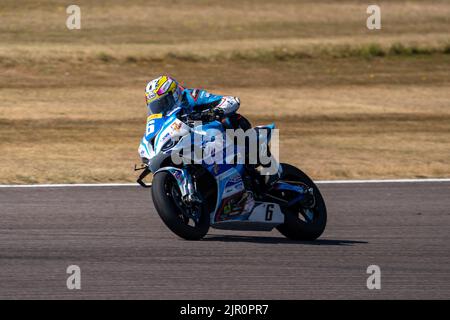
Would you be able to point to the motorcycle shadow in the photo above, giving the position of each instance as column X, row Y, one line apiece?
column 281, row 240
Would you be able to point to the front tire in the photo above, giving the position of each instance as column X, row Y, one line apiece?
column 297, row 224
column 167, row 200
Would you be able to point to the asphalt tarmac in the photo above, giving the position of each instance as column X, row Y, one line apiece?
column 124, row 251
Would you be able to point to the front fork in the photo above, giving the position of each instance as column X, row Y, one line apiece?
column 185, row 183
column 189, row 190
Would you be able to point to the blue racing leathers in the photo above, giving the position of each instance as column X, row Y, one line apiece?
column 199, row 100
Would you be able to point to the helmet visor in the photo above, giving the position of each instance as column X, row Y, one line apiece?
column 161, row 105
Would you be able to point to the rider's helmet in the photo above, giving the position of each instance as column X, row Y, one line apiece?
column 162, row 94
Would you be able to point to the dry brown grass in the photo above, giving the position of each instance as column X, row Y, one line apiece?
column 35, row 31
column 71, row 107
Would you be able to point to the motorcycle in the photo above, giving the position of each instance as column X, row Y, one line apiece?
column 192, row 196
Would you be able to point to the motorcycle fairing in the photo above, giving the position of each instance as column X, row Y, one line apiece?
column 230, row 189
column 234, row 204
column 154, row 124
column 145, row 149
column 264, row 217
column 170, row 131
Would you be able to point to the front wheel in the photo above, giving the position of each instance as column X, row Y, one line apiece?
column 303, row 223
column 188, row 222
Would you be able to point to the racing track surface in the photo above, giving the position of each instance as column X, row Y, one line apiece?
column 124, row 250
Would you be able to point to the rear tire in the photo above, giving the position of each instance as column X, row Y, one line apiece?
column 171, row 214
column 295, row 228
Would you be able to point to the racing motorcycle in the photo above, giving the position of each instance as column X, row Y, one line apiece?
column 192, row 196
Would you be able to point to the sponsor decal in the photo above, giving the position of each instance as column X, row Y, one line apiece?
column 233, row 189
column 233, row 185
column 177, row 175
column 237, row 178
column 231, row 208
column 176, row 126
column 166, row 137
column 227, row 208
column 154, row 116
column 239, row 204
column 150, row 95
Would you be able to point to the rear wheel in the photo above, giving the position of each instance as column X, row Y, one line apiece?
column 302, row 223
column 188, row 222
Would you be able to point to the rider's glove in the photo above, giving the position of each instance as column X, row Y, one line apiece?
column 218, row 112
column 213, row 114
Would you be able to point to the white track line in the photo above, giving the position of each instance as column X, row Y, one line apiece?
column 384, row 181
column 68, row 185
column 136, row 185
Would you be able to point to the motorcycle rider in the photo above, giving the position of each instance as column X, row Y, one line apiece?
column 164, row 94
